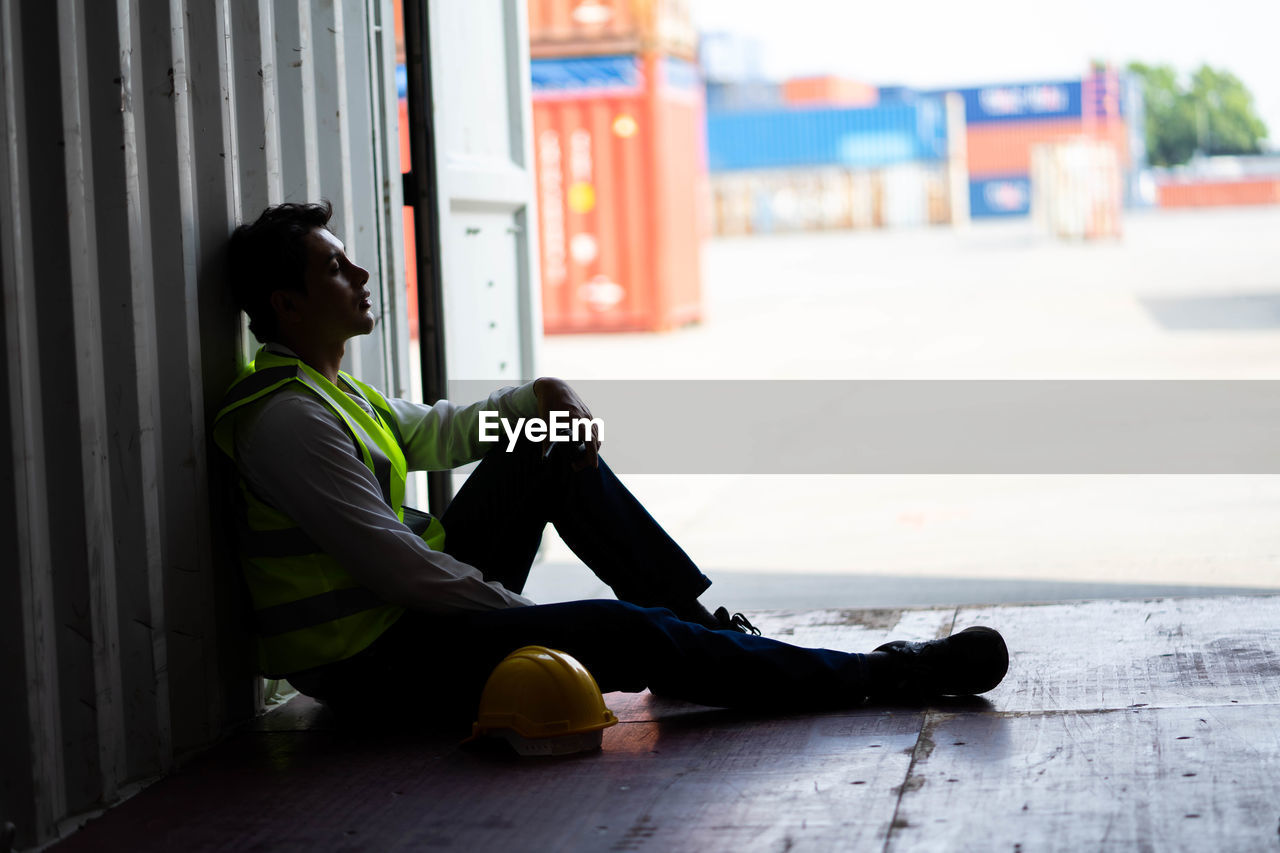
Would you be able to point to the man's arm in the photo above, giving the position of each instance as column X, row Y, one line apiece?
column 296, row 455
column 446, row 435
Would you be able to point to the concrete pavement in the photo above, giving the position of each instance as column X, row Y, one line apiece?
column 1184, row 295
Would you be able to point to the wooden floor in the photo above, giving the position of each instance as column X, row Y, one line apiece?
column 1136, row 725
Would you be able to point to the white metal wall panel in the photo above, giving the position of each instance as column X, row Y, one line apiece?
column 138, row 133
column 481, row 111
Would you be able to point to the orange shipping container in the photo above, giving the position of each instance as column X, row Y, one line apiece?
column 829, row 90
column 596, row 27
column 1004, row 148
column 618, row 173
column 1219, row 193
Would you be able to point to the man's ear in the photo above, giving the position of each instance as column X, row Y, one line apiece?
column 284, row 302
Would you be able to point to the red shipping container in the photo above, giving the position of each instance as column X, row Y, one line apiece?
column 1219, row 193
column 829, row 90
column 410, row 242
column 397, row 18
column 595, row 27
column 1004, row 148
column 618, row 174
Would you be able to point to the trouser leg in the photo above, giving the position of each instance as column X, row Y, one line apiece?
column 437, row 664
column 496, row 520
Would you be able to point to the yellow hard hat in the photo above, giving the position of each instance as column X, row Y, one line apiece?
column 542, row 702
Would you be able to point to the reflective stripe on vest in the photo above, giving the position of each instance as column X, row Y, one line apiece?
column 316, row 610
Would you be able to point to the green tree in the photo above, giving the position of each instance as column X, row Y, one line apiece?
column 1214, row 115
column 1227, row 120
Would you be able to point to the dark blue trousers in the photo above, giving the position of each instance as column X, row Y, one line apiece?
column 495, row 523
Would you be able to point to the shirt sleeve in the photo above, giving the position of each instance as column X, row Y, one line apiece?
column 296, row 455
column 446, row 435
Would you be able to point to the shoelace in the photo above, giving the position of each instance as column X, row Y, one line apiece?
column 740, row 623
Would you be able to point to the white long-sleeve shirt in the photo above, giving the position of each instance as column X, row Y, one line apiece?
column 295, row 453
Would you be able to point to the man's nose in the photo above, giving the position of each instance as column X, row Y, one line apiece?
column 361, row 274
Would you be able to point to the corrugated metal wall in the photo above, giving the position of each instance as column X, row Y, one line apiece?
column 137, row 133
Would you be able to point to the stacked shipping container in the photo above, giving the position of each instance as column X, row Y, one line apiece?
column 821, row 152
column 795, row 168
column 618, row 127
column 1005, row 122
column 789, row 137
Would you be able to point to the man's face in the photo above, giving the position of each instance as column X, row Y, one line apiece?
column 336, row 305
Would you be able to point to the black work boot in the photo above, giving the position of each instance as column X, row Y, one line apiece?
column 972, row 661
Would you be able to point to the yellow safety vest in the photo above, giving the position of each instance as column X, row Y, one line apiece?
column 309, row 610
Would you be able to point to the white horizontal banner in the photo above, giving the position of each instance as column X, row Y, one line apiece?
column 931, row 427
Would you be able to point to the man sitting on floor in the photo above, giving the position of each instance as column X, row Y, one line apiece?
column 354, row 607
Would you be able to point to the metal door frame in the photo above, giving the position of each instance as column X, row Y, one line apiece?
column 421, row 193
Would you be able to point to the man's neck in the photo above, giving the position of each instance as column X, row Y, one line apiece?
column 326, row 360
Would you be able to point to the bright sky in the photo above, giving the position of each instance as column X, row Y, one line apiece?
column 934, row 43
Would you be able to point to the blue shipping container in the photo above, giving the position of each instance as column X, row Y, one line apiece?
column 1020, row 101
column 606, row 75
column 586, row 74
column 871, row 137
column 1007, row 195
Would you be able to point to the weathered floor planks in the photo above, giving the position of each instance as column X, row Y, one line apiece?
column 1204, row 778
column 1120, row 654
column 1122, row 725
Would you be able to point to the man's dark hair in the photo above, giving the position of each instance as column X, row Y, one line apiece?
column 271, row 255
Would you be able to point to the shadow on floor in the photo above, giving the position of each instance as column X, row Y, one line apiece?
column 1230, row 313
column 741, row 590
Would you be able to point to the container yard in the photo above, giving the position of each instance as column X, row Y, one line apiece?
column 774, row 153
column 649, row 136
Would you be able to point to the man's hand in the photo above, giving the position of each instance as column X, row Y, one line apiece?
column 555, row 395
